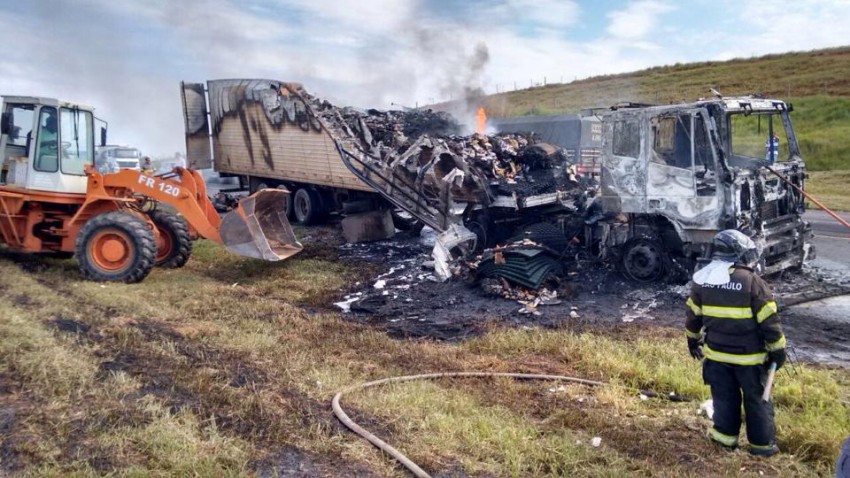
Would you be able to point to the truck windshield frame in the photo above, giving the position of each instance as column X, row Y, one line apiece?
column 749, row 134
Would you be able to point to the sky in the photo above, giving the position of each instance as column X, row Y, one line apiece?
column 127, row 57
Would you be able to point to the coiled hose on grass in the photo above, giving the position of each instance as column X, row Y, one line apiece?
column 413, row 467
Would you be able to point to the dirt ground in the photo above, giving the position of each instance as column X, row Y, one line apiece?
column 406, row 300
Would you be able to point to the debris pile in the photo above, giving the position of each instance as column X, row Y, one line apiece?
column 420, row 159
column 526, row 266
column 224, row 202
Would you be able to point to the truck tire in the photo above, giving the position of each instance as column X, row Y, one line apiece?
column 255, row 184
column 404, row 221
column 287, row 206
column 306, row 207
column 115, row 247
column 174, row 245
column 643, row 260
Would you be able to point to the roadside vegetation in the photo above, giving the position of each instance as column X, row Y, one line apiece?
column 830, row 188
column 227, row 367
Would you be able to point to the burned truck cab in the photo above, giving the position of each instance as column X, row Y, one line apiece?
column 675, row 175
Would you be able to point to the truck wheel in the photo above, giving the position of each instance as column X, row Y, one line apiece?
column 117, row 247
column 174, row 246
column 643, row 260
column 256, row 184
column 306, row 206
column 287, row 205
column 404, row 221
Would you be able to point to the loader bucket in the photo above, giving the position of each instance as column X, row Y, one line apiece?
column 258, row 227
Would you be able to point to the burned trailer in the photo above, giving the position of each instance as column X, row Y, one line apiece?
column 264, row 132
column 675, row 175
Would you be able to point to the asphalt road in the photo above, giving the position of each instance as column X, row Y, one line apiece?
column 832, row 241
column 825, row 225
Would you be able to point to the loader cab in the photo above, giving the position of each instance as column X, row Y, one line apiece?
column 46, row 144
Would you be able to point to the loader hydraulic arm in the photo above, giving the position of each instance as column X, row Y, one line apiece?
column 184, row 190
column 257, row 228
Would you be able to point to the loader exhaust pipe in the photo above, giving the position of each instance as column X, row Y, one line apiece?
column 258, row 227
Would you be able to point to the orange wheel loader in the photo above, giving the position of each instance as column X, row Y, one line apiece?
column 119, row 223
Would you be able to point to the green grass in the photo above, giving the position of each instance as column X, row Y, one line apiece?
column 822, row 126
column 213, row 371
column 830, row 188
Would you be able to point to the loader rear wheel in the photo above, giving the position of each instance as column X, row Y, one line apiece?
column 115, row 247
column 174, row 246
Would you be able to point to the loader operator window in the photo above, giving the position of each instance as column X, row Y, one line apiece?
column 77, row 141
column 22, row 118
column 47, row 144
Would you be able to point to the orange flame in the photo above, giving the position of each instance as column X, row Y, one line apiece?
column 480, row 120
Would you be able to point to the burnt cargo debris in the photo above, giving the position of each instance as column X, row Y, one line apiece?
column 420, row 163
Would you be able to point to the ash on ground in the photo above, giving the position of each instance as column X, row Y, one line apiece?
column 408, row 301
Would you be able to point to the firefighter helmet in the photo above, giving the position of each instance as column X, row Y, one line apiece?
column 734, row 246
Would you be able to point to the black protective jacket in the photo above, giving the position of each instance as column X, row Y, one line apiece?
column 737, row 320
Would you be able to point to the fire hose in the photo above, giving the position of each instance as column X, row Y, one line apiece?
column 407, row 462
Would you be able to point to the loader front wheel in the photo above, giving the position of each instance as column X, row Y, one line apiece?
column 174, row 246
column 115, row 247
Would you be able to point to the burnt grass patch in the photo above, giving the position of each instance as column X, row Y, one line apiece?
column 291, row 462
column 238, row 396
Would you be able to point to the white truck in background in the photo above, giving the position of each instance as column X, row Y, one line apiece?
column 124, row 157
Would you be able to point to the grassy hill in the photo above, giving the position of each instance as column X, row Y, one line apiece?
column 817, row 83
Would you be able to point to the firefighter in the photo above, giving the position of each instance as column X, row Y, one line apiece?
column 732, row 321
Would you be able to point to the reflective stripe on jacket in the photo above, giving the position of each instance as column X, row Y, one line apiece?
column 738, row 320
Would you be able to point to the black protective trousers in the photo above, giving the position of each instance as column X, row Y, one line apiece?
column 728, row 383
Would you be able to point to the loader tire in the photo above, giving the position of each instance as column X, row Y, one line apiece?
column 306, row 206
column 174, row 245
column 115, row 247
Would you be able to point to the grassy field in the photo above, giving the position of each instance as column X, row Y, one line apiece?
column 817, row 83
column 830, row 188
column 227, row 367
